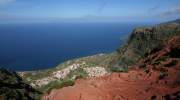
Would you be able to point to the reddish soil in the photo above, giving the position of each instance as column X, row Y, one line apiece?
column 157, row 79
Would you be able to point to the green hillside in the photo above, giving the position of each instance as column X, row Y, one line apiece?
column 141, row 42
column 12, row 87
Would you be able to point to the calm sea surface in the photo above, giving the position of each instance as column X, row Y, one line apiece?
column 40, row 46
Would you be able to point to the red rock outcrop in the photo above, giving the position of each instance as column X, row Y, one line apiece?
column 155, row 78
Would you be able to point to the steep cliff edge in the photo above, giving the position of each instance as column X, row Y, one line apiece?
column 155, row 78
column 141, row 42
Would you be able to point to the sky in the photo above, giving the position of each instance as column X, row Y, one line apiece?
column 88, row 10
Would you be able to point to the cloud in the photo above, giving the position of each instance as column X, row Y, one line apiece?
column 2, row 2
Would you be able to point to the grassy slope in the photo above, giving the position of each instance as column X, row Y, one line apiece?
column 141, row 42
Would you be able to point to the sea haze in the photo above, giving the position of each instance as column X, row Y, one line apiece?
column 45, row 45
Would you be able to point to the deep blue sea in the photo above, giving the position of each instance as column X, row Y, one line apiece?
column 45, row 45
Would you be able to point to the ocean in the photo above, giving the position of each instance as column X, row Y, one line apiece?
column 34, row 46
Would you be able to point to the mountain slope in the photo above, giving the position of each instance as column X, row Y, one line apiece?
column 12, row 87
column 177, row 21
column 141, row 42
column 152, row 81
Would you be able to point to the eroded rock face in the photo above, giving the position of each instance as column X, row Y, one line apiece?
column 157, row 79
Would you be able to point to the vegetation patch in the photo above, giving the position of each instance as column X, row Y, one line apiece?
column 142, row 65
column 77, row 74
column 12, row 87
column 162, row 75
column 172, row 63
column 119, row 69
column 161, row 59
column 56, row 85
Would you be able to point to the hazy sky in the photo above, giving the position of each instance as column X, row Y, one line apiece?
column 89, row 10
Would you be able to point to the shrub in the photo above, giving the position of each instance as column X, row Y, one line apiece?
column 119, row 69
column 142, row 65
column 56, row 85
column 78, row 73
column 172, row 63
column 162, row 75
